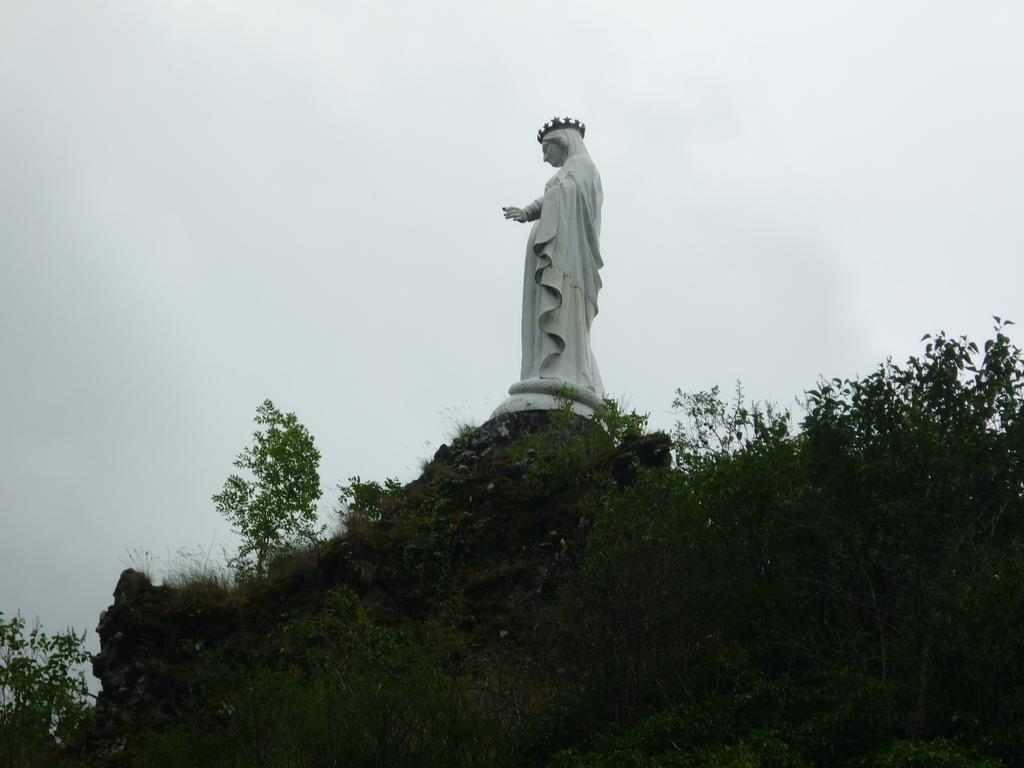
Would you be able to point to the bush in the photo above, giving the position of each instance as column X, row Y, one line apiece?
column 869, row 565
column 43, row 702
column 347, row 692
column 940, row 753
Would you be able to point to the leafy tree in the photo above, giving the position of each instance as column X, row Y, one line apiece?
column 42, row 691
column 847, row 589
column 275, row 511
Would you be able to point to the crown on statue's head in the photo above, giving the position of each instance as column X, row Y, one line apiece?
column 556, row 123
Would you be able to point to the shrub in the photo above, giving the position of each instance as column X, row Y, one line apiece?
column 43, row 702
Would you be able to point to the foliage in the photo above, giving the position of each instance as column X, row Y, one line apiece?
column 348, row 692
column 618, row 423
column 940, row 753
column 566, row 453
column 142, row 560
column 362, row 504
column 713, row 429
column 192, row 568
column 879, row 550
column 187, row 568
column 43, row 702
column 276, row 510
column 842, row 590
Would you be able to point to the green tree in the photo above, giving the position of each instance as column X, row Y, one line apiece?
column 43, row 695
column 276, row 510
column 844, row 592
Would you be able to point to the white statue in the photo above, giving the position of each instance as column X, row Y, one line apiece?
column 561, row 279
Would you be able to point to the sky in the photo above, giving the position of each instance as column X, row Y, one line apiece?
column 207, row 203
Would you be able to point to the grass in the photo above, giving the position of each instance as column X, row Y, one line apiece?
column 186, row 569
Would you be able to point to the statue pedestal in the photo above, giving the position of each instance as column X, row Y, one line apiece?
column 547, row 395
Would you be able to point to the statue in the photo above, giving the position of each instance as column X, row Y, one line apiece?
column 561, row 280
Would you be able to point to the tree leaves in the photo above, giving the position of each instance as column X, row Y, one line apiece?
column 275, row 511
column 42, row 689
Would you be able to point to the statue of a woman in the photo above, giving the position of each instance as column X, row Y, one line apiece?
column 561, row 280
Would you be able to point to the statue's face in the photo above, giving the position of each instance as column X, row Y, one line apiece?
column 554, row 153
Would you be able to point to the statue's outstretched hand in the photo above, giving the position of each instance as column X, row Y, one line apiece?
column 518, row 214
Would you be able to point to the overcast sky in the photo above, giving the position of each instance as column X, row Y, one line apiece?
column 205, row 204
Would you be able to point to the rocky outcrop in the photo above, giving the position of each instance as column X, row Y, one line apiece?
column 507, row 538
column 149, row 640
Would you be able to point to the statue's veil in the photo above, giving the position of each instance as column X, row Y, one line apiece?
column 572, row 139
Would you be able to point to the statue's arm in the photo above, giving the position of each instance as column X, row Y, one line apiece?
column 523, row 215
column 532, row 211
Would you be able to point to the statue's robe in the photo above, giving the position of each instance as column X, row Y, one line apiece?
column 561, row 279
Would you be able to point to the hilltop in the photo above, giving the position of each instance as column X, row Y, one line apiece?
column 843, row 588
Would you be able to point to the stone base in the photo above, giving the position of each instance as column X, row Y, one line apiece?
column 547, row 395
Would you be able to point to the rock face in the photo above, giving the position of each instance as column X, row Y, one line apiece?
column 130, row 666
column 489, row 440
column 510, row 530
column 149, row 640
column 498, row 433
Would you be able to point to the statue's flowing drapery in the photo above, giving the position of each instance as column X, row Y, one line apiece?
column 561, row 280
